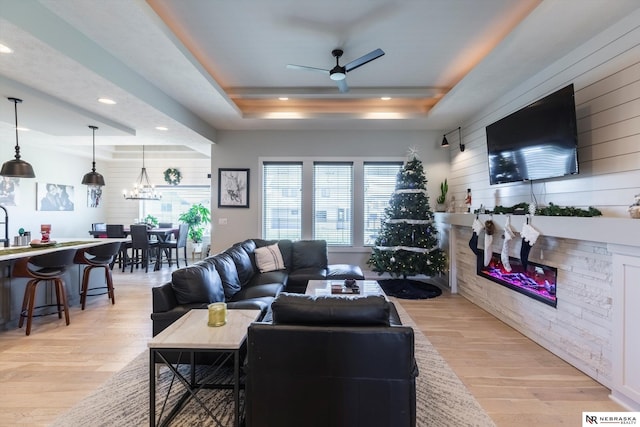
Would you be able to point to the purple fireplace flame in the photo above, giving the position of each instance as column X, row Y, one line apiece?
column 537, row 281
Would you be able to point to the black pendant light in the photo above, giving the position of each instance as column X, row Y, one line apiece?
column 17, row 167
column 93, row 178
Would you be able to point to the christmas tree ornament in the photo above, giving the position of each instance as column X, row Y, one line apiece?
column 509, row 234
column 529, row 237
column 489, row 228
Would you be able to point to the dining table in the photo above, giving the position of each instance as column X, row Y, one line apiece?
column 162, row 234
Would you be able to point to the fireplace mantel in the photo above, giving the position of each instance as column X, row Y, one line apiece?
column 619, row 231
column 594, row 326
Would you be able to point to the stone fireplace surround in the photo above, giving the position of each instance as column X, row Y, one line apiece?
column 594, row 326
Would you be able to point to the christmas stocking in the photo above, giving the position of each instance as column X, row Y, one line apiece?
column 489, row 228
column 529, row 237
column 477, row 229
column 509, row 234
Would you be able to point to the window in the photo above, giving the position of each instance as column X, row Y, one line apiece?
column 340, row 200
column 175, row 201
column 282, row 201
column 332, row 202
column 379, row 184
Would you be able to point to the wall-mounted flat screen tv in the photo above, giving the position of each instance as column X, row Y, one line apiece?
column 537, row 142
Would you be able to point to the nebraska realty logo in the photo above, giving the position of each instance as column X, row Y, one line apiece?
column 610, row 418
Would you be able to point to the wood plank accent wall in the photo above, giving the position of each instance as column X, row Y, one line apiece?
column 122, row 175
column 605, row 72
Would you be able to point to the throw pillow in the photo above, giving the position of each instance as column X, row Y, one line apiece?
column 269, row 258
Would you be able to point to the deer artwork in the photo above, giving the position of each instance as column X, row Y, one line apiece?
column 234, row 186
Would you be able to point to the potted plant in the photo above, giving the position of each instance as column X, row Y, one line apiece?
column 150, row 220
column 442, row 198
column 197, row 217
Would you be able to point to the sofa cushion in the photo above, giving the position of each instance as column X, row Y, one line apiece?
column 227, row 270
column 244, row 266
column 297, row 309
column 269, row 258
column 284, row 245
column 309, row 254
column 197, row 283
column 297, row 280
column 279, row 276
column 344, row 271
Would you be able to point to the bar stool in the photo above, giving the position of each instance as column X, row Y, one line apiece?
column 97, row 257
column 45, row 267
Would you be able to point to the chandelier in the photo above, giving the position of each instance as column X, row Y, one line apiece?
column 142, row 188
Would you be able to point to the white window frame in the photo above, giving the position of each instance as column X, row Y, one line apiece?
column 307, row 192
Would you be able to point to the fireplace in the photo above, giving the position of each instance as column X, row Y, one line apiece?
column 537, row 281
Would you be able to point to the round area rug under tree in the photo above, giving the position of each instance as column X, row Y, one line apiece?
column 409, row 289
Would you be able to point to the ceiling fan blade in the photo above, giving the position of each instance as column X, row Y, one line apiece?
column 305, row 68
column 375, row 54
column 343, row 86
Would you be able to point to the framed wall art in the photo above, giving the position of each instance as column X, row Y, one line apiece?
column 54, row 197
column 233, row 188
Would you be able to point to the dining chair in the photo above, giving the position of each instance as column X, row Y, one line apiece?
column 165, row 225
column 99, row 226
column 116, row 231
column 180, row 242
column 142, row 249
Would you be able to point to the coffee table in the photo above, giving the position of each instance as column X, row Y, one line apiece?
column 323, row 287
column 191, row 334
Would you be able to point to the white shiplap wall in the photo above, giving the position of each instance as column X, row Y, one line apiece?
column 122, row 175
column 605, row 72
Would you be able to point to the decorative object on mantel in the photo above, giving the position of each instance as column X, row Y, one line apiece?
column 442, row 198
column 509, row 235
column 529, row 237
column 172, row 176
column 17, row 167
column 634, row 209
column 477, row 227
column 551, row 210
column 489, row 228
column 142, row 189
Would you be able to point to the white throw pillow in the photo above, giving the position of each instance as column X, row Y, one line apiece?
column 269, row 258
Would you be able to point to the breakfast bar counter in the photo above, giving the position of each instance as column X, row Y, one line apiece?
column 12, row 288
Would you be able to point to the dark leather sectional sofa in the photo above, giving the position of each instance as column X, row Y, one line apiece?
column 233, row 276
column 348, row 362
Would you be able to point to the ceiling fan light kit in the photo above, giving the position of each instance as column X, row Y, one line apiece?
column 339, row 73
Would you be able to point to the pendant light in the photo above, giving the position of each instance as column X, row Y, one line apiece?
column 17, row 167
column 142, row 189
column 93, row 178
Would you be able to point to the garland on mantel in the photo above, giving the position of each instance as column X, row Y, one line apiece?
column 551, row 210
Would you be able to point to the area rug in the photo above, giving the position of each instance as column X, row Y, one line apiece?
column 441, row 398
column 409, row 289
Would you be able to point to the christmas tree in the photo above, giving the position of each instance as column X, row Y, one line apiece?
column 408, row 241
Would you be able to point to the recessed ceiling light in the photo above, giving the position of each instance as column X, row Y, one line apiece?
column 107, row 101
column 385, row 98
column 20, row 128
column 283, row 98
column 162, row 128
column 5, row 49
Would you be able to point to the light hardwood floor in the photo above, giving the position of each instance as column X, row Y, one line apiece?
column 515, row 380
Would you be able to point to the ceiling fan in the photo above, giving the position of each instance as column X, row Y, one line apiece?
column 339, row 72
